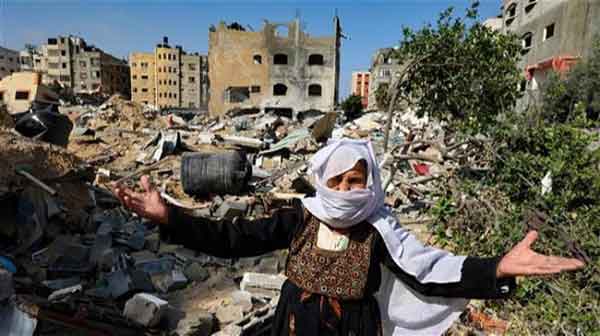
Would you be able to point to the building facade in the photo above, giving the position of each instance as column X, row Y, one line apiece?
column 384, row 66
column 554, row 34
column 9, row 62
column 280, row 68
column 360, row 86
column 169, row 77
column 72, row 63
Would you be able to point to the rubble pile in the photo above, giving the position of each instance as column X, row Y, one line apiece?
column 68, row 246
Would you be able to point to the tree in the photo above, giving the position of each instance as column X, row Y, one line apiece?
column 381, row 96
column 352, row 107
column 460, row 71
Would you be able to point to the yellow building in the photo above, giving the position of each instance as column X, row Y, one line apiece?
column 168, row 77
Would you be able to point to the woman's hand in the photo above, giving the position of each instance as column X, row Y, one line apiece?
column 523, row 261
column 147, row 204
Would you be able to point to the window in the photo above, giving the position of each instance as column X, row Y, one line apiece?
column 192, row 67
column 175, row 95
column 549, row 32
column 63, row 53
column 10, row 59
column 97, row 86
column 527, row 42
column 133, row 65
column 83, row 64
column 160, row 95
column 144, row 89
column 64, row 65
column 1, row 96
column 237, row 94
column 315, row 59
column 97, row 74
column 255, row 89
column 144, row 77
column 83, row 87
column 280, row 59
column 530, row 5
column 523, row 85
column 191, row 79
column 134, row 89
column 257, row 59
column 279, row 90
column 83, row 75
column 64, row 78
column 314, row 90
column 159, row 69
column 511, row 13
column 62, row 40
column 159, row 56
column 134, row 77
column 170, row 95
column 22, row 95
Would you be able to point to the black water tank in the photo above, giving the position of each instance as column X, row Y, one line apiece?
column 215, row 173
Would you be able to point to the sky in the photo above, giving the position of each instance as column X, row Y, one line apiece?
column 120, row 27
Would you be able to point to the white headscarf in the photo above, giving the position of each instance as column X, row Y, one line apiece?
column 403, row 311
column 343, row 209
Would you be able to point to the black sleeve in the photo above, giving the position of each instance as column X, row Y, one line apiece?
column 478, row 280
column 235, row 238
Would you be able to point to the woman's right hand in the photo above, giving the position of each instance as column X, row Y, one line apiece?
column 147, row 204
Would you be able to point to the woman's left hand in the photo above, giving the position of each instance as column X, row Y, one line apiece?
column 523, row 261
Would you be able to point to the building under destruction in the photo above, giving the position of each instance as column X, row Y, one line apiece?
column 9, row 62
column 72, row 63
column 554, row 34
column 280, row 68
column 169, row 77
column 384, row 65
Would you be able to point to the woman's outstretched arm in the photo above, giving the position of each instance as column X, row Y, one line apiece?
column 220, row 238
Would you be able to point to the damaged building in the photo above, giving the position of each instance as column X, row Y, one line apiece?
column 554, row 35
column 280, row 68
column 384, row 65
column 19, row 90
column 169, row 77
column 73, row 63
column 9, row 62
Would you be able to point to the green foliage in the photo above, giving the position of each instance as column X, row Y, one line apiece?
column 381, row 96
column 577, row 94
column 352, row 107
column 559, row 139
column 461, row 71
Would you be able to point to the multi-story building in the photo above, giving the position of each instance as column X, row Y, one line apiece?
column 169, row 77
column 555, row 34
column 384, row 66
column 280, row 68
column 9, row 62
column 360, row 86
column 71, row 62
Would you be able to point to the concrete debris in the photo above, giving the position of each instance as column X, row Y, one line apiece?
column 145, row 309
column 80, row 245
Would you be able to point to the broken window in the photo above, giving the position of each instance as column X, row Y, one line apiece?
column 315, row 59
column 527, row 42
column 22, row 95
column 279, row 90
column 314, row 90
column 511, row 13
column 255, row 89
column 530, row 5
column 257, row 59
column 280, row 59
column 191, row 79
column 549, row 32
column 237, row 94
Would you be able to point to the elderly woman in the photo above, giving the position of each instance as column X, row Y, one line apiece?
column 338, row 242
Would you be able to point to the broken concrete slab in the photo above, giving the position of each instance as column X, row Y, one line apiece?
column 195, row 272
column 259, row 283
column 145, row 309
column 62, row 293
column 229, row 313
column 243, row 299
column 231, row 209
